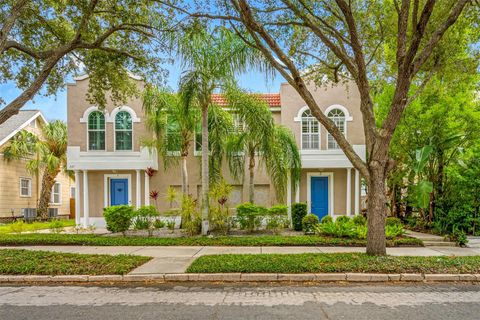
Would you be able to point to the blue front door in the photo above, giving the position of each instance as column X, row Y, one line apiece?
column 319, row 196
column 118, row 192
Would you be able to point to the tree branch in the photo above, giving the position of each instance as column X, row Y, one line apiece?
column 8, row 24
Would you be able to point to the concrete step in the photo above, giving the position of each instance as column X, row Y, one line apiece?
column 439, row 243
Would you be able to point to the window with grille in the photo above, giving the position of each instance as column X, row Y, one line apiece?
column 25, row 187
column 96, row 131
column 55, row 197
column 310, row 131
column 338, row 117
column 123, row 131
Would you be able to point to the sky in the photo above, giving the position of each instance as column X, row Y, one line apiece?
column 55, row 107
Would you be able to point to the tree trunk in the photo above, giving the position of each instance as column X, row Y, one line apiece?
column 205, row 172
column 184, row 175
column 48, row 180
column 251, row 184
column 376, row 212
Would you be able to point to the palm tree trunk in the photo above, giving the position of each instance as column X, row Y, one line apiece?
column 48, row 180
column 205, row 172
column 184, row 175
column 251, row 184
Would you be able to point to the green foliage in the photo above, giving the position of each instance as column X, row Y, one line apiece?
column 277, row 217
column 191, row 218
column 460, row 238
column 393, row 231
column 299, row 210
column 343, row 219
column 144, row 219
column 332, row 263
column 17, row 226
column 28, row 262
column 361, row 232
column 393, row 221
column 327, row 219
column 118, row 218
column 219, row 214
column 270, row 240
column 309, row 222
column 172, row 196
column 56, row 226
column 250, row 216
column 171, row 225
column 359, row 220
column 159, row 224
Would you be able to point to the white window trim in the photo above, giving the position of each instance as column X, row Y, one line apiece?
column 115, row 131
column 29, row 187
column 347, row 116
column 106, row 187
column 331, row 187
column 104, row 131
column 301, row 132
column 132, row 112
column 59, row 194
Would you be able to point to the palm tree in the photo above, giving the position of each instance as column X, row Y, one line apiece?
column 172, row 124
column 260, row 138
column 212, row 60
column 47, row 153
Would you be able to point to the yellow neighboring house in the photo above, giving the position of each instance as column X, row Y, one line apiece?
column 19, row 189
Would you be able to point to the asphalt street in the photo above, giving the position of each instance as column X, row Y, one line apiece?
column 433, row 301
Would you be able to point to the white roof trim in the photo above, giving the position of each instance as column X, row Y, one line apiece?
column 85, row 76
column 38, row 114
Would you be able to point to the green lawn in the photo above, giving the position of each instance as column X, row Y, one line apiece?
column 333, row 262
column 97, row 240
column 14, row 261
column 34, row 226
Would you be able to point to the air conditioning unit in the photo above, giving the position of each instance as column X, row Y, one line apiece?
column 29, row 214
column 52, row 213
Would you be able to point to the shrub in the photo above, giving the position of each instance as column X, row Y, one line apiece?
column 56, row 226
column 309, row 222
column 144, row 218
column 392, row 221
column 191, row 218
column 171, row 225
column 327, row 219
column 118, row 218
column 299, row 210
column 393, row 231
column 459, row 237
column 17, row 226
column 359, row 220
column 343, row 219
column 250, row 216
column 361, row 232
column 346, row 229
column 219, row 215
column 158, row 224
column 277, row 217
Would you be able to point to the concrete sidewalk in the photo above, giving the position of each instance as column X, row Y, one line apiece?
column 176, row 259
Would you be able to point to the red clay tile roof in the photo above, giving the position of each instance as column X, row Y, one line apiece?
column 273, row 99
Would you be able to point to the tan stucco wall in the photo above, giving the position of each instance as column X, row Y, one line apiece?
column 346, row 95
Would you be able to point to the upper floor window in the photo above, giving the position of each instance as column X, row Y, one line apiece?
column 123, row 131
column 338, row 117
column 96, row 131
column 310, row 131
column 173, row 136
column 55, row 196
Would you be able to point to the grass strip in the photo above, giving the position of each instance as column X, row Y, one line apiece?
column 332, row 262
column 27, row 262
column 35, row 226
column 97, row 240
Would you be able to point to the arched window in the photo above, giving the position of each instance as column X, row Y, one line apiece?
column 338, row 117
column 310, row 131
column 96, row 131
column 123, row 131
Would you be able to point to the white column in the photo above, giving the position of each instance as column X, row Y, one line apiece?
column 289, row 196
column 297, row 193
column 147, row 189
column 138, row 190
column 77, row 197
column 85, row 199
column 357, row 192
column 349, row 191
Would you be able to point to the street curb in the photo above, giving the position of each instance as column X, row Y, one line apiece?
column 241, row 277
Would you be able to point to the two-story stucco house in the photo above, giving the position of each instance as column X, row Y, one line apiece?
column 110, row 164
column 19, row 188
